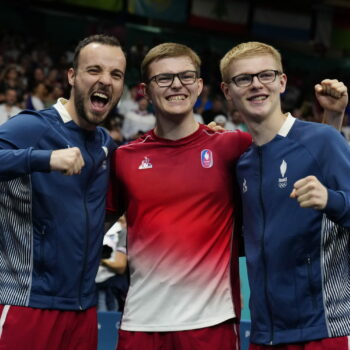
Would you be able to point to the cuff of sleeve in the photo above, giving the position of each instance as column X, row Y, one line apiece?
column 335, row 205
column 40, row 160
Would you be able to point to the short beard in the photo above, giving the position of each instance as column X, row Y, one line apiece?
column 81, row 112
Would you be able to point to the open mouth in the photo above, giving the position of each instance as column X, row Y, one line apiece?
column 176, row 97
column 99, row 100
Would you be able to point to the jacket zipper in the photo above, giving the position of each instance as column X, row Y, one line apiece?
column 263, row 246
column 309, row 274
column 87, row 233
column 42, row 241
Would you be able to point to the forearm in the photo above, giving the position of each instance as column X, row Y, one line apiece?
column 118, row 265
column 19, row 162
column 334, row 119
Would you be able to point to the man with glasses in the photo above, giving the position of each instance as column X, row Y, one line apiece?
column 177, row 182
column 295, row 189
column 178, row 188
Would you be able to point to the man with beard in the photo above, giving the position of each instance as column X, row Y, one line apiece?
column 51, row 225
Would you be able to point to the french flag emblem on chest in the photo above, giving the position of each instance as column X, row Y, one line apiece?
column 207, row 158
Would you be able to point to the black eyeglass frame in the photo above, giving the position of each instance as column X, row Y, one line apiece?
column 276, row 72
column 173, row 75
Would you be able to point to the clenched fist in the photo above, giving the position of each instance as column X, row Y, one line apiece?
column 69, row 161
column 310, row 193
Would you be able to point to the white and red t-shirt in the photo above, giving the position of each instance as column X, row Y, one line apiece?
column 179, row 201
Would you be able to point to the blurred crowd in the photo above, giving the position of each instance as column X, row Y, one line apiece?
column 33, row 76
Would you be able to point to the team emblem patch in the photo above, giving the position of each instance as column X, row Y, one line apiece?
column 207, row 158
column 283, row 181
column 145, row 164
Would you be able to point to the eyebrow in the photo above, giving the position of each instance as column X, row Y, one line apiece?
column 119, row 71
column 100, row 67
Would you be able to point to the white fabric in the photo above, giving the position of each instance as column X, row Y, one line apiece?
column 110, row 239
column 6, row 113
column 59, row 106
column 136, row 121
column 4, row 313
column 37, row 103
column 287, row 125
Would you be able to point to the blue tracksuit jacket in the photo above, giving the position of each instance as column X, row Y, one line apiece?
column 51, row 225
column 298, row 258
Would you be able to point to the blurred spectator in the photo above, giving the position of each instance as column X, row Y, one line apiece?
column 291, row 97
column 198, row 118
column 309, row 111
column 10, row 78
column 36, row 99
column 217, row 108
column 138, row 121
column 114, row 125
column 128, row 101
column 37, row 76
column 203, row 102
column 53, row 77
column 222, row 121
column 237, row 120
column 55, row 91
column 111, row 280
column 9, row 108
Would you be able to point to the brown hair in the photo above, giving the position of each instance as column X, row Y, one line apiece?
column 167, row 50
column 96, row 38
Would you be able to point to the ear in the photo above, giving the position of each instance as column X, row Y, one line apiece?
column 71, row 76
column 283, row 82
column 144, row 90
column 225, row 88
column 200, row 86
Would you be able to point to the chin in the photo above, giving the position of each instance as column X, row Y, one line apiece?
column 96, row 120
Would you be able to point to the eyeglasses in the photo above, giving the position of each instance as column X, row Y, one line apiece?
column 187, row 77
column 265, row 77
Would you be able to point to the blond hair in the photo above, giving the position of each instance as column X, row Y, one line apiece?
column 248, row 49
column 167, row 50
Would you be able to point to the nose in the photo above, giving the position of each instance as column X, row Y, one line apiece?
column 176, row 82
column 256, row 82
column 105, row 78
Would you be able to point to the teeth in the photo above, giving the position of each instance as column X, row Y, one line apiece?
column 100, row 95
column 258, row 98
column 177, row 98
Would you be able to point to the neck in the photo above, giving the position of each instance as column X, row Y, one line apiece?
column 81, row 122
column 263, row 131
column 175, row 127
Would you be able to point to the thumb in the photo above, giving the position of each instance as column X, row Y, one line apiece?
column 318, row 88
column 293, row 193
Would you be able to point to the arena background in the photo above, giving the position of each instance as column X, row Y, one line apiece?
column 313, row 37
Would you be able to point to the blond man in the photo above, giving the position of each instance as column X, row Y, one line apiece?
column 296, row 207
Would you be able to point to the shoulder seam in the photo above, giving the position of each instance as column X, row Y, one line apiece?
column 135, row 142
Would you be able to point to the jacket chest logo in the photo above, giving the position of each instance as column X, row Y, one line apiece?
column 283, row 180
column 244, row 186
column 207, row 160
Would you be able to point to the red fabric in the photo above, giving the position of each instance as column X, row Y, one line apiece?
column 26, row 328
column 223, row 336
column 341, row 343
column 180, row 199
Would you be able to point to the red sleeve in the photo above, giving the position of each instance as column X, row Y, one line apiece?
column 245, row 140
column 114, row 203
